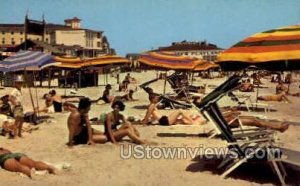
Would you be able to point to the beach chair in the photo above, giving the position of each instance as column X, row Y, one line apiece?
column 245, row 100
column 178, row 82
column 246, row 147
column 166, row 99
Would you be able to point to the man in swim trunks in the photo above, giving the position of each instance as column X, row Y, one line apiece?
column 18, row 162
column 79, row 125
column 16, row 99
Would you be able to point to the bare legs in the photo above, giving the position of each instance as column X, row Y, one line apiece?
column 130, row 131
column 25, row 166
column 99, row 137
column 173, row 117
column 253, row 121
column 17, row 130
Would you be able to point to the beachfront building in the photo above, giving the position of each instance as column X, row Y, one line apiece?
column 201, row 50
column 69, row 38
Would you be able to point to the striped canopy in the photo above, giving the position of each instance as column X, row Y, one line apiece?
column 206, row 66
column 74, row 63
column 277, row 49
column 26, row 59
column 168, row 60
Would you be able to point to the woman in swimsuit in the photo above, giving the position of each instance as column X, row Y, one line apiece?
column 178, row 116
column 114, row 119
column 18, row 162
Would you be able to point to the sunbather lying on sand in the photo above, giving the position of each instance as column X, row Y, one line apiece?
column 254, row 121
column 114, row 119
column 176, row 117
column 277, row 97
column 80, row 130
column 18, row 162
column 281, row 88
column 295, row 94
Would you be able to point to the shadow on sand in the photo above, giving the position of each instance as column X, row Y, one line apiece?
column 260, row 173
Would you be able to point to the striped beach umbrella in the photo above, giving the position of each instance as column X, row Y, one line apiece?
column 277, row 49
column 169, row 61
column 206, row 66
column 76, row 63
column 26, row 59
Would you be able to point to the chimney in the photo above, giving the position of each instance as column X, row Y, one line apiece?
column 73, row 23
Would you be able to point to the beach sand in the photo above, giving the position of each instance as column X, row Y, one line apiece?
column 102, row 163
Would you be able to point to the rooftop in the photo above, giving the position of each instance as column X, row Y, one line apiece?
column 188, row 45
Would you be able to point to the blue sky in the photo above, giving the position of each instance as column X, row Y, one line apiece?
column 134, row 26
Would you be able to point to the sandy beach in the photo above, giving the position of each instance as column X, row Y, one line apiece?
column 103, row 164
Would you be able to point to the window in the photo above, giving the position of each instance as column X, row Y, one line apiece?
column 98, row 44
column 3, row 41
column 21, row 33
column 12, row 33
column 12, row 41
column 38, row 39
column 98, row 35
column 47, row 40
column 3, row 32
column 21, row 40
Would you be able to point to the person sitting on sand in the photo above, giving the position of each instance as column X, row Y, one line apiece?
column 18, row 162
column 176, row 117
column 288, row 78
column 49, row 106
column 281, row 88
column 114, row 119
column 256, row 79
column 80, row 130
column 5, row 107
column 106, row 97
column 123, row 86
column 247, row 86
column 276, row 97
column 254, row 121
column 130, row 79
column 56, row 101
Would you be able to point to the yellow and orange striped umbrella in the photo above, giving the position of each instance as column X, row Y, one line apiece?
column 169, row 60
column 74, row 63
column 277, row 49
column 206, row 66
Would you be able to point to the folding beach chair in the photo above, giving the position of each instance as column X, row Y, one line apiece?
column 244, row 147
column 166, row 99
column 178, row 82
column 248, row 103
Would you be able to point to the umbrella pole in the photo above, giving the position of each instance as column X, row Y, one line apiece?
column 65, row 73
column 165, row 83
column 30, row 93
column 257, row 91
column 288, row 90
column 192, row 78
column 36, row 93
